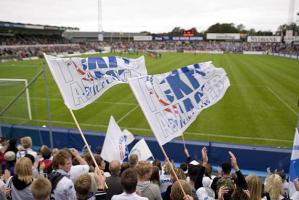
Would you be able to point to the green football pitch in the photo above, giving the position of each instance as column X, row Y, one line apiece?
column 259, row 108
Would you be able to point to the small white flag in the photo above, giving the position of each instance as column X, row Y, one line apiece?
column 82, row 80
column 142, row 150
column 115, row 143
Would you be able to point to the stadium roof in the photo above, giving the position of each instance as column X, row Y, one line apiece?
column 69, row 34
column 35, row 26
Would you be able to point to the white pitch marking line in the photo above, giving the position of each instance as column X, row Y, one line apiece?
column 282, row 101
column 149, row 130
column 238, row 137
column 96, row 102
column 132, row 110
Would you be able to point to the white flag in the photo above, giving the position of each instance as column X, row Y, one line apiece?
column 142, row 150
column 115, row 143
column 82, row 80
column 294, row 163
column 172, row 101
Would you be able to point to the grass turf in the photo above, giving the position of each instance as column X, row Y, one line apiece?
column 259, row 108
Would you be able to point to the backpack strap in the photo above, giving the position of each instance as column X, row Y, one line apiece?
column 54, row 178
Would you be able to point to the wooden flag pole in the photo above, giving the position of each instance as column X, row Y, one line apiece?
column 172, row 169
column 85, row 141
column 184, row 141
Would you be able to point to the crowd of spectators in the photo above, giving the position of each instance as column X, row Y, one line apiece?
column 234, row 47
column 20, row 39
column 24, row 46
column 65, row 174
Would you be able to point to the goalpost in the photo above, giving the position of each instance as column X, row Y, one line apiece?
column 26, row 92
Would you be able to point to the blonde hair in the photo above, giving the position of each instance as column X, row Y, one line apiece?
column 144, row 168
column 26, row 142
column 274, row 186
column 41, row 188
column 176, row 192
column 179, row 172
column 82, row 185
column 167, row 167
column 254, row 186
column 23, row 170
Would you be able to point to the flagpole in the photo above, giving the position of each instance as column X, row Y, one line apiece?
column 85, row 141
column 184, row 141
column 172, row 169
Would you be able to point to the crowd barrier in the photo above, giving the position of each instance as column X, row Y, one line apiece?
column 249, row 157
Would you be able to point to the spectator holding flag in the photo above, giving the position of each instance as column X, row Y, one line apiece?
column 62, row 185
column 176, row 191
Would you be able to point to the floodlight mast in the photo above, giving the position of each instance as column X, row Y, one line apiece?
column 100, row 25
column 291, row 11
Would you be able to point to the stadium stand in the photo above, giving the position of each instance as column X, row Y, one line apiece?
column 26, row 40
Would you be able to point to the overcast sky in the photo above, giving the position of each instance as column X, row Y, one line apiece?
column 148, row 15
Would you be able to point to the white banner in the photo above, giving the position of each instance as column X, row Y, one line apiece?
column 254, row 52
column 172, row 101
column 115, row 143
column 223, row 36
column 142, row 38
column 142, row 150
column 291, row 39
column 82, row 80
column 265, row 39
column 100, row 37
column 294, row 164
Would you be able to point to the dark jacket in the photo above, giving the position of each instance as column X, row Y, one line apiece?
column 114, row 186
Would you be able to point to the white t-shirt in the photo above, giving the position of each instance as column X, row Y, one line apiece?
column 165, row 181
column 22, row 153
column 125, row 196
column 295, row 196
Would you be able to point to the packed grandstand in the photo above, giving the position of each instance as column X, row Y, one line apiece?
column 24, row 41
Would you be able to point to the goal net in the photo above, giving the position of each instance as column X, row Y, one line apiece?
column 13, row 106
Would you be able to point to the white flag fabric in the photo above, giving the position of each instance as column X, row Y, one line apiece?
column 294, row 164
column 115, row 143
column 82, row 80
column 172, row 101
column 142, row 150
column 130, row 136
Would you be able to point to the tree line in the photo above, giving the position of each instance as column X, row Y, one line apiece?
column 232, row 28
